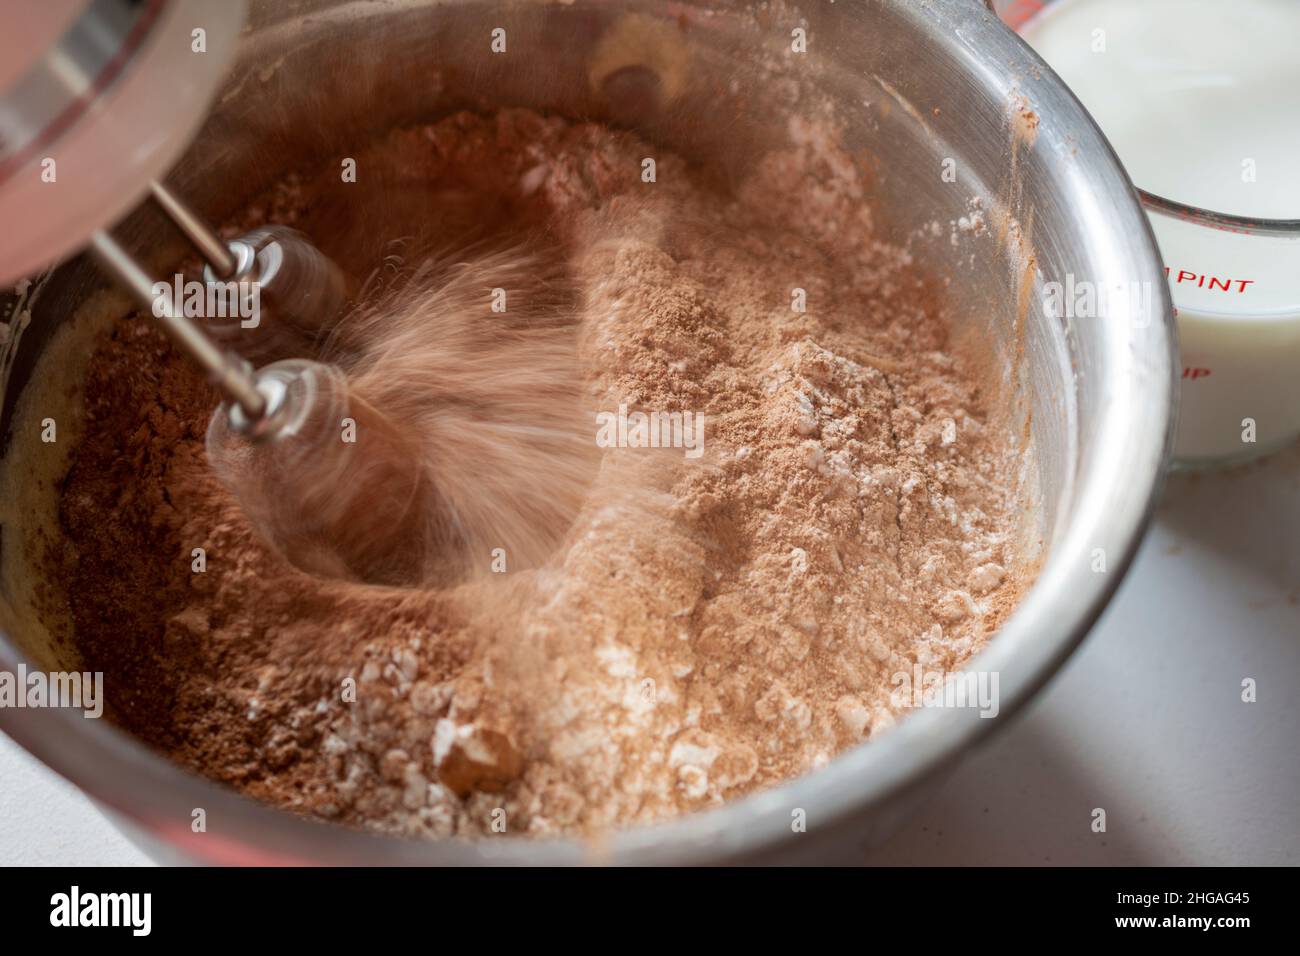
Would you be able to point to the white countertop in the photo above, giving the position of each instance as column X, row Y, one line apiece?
column 1146, row 720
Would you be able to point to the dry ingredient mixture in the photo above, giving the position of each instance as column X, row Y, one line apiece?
column 706, row 628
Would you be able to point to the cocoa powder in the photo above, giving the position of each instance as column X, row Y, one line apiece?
column 704, row 629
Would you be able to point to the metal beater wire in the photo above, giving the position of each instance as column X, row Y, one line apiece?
column 196, row 229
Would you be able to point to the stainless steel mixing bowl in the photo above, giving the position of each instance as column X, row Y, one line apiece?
column 915, row 84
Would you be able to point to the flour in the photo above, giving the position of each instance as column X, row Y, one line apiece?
column 702, row 627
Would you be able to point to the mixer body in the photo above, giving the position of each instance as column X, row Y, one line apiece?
column 98, row 98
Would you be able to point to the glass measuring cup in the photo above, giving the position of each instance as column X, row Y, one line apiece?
column 1201, row 101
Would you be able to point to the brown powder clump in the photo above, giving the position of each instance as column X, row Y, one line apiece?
column 707, row 627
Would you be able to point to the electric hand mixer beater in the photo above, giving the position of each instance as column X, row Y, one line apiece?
column 327, row 477
column 84, row 134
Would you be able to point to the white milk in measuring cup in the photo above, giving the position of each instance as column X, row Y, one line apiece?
column 1201, row 100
